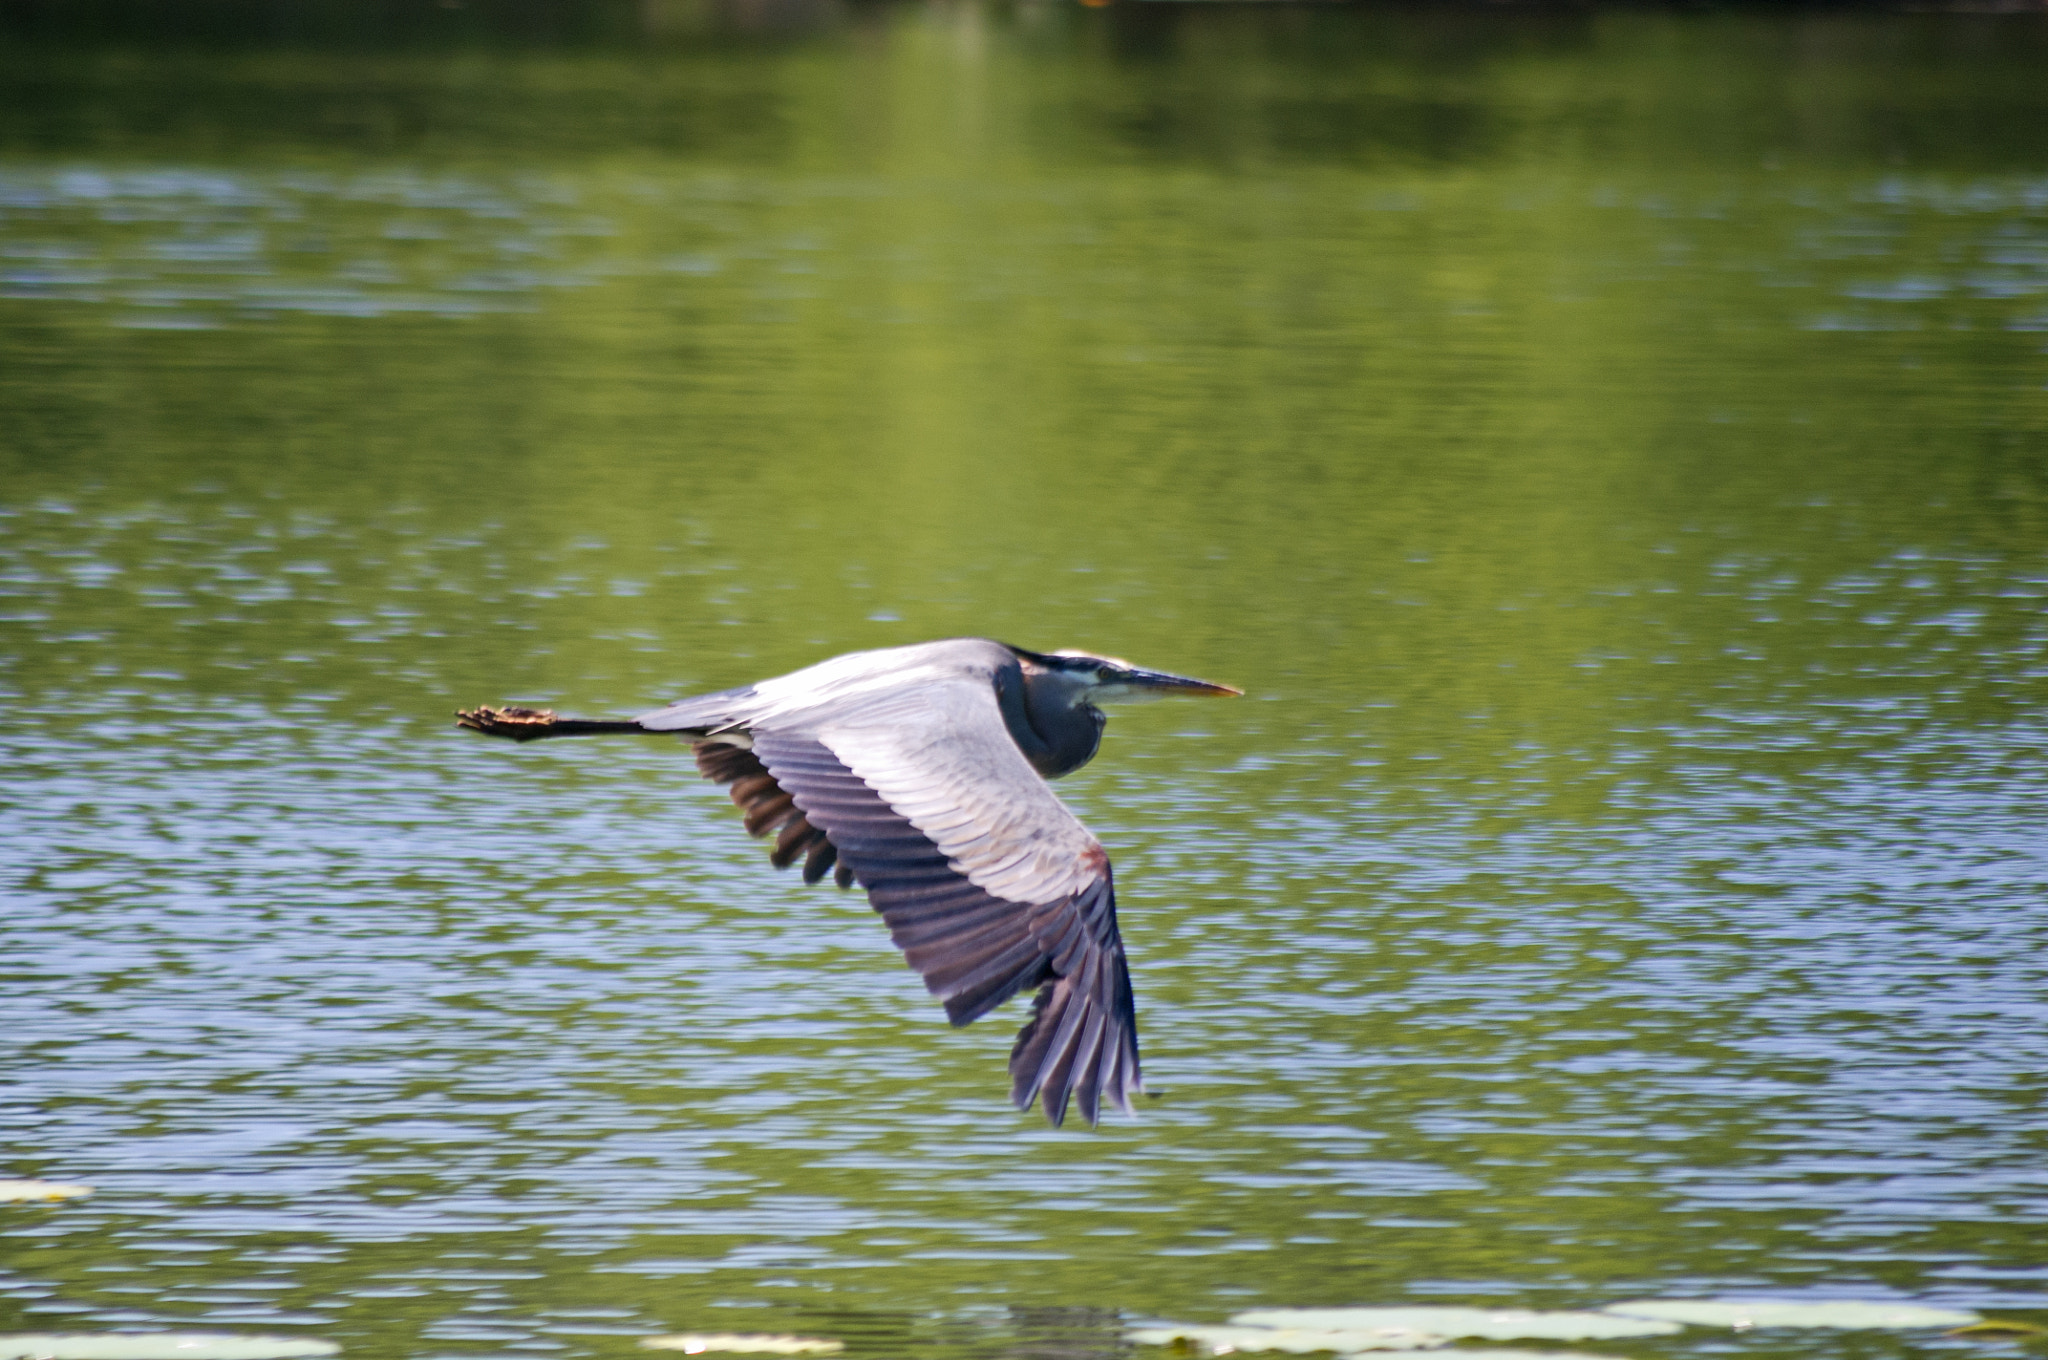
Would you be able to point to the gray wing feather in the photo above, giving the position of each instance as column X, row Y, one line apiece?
column 976, row 946
column 948, row 765
column 700, row 713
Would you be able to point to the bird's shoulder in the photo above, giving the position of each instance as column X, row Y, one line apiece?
column 884, row 685
column 923, row 728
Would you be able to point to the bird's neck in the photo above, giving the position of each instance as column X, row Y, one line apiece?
column 1072, row 736
column 1056, row 734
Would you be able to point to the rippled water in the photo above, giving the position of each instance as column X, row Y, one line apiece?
column 1612, row 450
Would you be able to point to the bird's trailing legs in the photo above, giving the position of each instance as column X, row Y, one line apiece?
column 723, row 760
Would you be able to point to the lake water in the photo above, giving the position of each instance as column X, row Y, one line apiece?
column 1610, row 447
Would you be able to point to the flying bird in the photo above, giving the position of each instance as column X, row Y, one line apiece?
column 920, row 774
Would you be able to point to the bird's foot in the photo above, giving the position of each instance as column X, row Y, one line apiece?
column 519, row 724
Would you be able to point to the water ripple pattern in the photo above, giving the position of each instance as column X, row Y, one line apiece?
column 1623, row 878
column 190, row 249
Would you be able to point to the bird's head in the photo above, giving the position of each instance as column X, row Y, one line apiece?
column 1084, row 679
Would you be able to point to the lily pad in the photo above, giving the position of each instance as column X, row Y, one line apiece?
column 158, row 1346
column 1300, row 1340
column 1994, row 1327
column 1485, row 1324
column 33, row 1191
column 1746, row 1313
column 698, row 1344
column 1462, row 1354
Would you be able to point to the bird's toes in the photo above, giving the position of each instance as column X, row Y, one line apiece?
column 520, row 724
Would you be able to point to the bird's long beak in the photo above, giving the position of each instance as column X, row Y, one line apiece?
column 1134, row 683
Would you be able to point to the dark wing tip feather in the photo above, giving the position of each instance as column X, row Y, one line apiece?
column 765, row 806
column 823, row 855
column 1080, row 1043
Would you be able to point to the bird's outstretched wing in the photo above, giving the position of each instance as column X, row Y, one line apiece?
column 986, row 881
column 976, row 947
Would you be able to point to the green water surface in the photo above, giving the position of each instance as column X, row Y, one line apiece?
column 1610, row 447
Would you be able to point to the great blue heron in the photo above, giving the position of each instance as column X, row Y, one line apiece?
column 919, row 773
